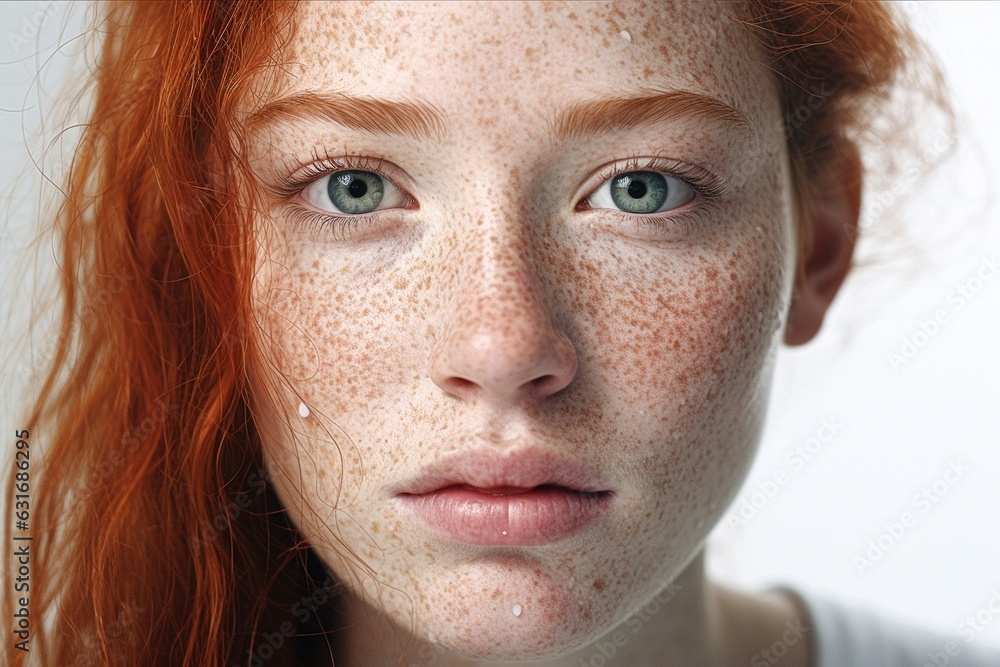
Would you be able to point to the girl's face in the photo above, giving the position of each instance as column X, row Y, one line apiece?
column 486, row 270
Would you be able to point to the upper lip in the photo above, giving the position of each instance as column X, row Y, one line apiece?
column 487, row 468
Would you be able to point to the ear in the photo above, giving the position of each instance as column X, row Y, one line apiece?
column 833, row 208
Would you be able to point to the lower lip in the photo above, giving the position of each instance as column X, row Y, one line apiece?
column 539, row 516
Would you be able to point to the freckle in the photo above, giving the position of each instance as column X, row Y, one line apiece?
column 598, row 585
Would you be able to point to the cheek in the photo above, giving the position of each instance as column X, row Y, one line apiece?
column 683, row 332
column 333, row 359
column 685, row 346
column 328, row 334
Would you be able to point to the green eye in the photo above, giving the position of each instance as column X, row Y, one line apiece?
column 639, row 191
column 642, row 192
column 353, row 192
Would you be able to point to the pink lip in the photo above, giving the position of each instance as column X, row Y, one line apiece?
column 528, row 498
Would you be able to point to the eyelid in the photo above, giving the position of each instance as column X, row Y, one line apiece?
column 706, row 184
column 303, row 174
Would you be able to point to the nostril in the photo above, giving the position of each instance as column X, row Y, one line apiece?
column 541, row 384
column 461, row 384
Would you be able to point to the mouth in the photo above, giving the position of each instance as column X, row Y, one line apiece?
column 526, row 497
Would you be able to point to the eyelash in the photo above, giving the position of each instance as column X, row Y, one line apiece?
column 707, row 187
column 323, row 165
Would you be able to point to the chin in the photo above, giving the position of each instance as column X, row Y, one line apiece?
column 528, row 640
column 497, row 611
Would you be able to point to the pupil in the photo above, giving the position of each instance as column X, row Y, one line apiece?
column 636, row 189
column 357, row 188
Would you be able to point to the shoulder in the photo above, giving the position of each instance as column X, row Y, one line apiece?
column 845, row 634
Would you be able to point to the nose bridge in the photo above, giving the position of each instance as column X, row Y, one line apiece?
column 501, row 282
column 500, row 340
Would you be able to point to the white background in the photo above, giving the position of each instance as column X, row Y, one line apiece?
column 897, row 428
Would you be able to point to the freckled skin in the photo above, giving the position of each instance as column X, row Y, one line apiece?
column 425, row 333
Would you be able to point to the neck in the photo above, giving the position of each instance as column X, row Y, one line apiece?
column 682, row 625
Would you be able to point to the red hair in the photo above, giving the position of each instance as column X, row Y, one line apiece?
column 156, row 537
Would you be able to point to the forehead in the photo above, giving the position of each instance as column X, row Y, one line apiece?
column 500, row 62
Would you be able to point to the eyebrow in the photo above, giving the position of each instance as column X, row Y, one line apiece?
column 421, row 120
column 616, row 114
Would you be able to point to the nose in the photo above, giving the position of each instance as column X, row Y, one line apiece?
column 500, row 344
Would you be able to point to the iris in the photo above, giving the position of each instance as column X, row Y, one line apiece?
column 639, row 191
column 355, row 191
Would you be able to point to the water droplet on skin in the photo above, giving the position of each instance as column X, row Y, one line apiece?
column 504, row 532
column 627, row 37
column 683, row 401
column 517, row 610
column 303, row 410
column 642, row 412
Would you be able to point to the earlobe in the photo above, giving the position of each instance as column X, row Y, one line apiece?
column 833, row 209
